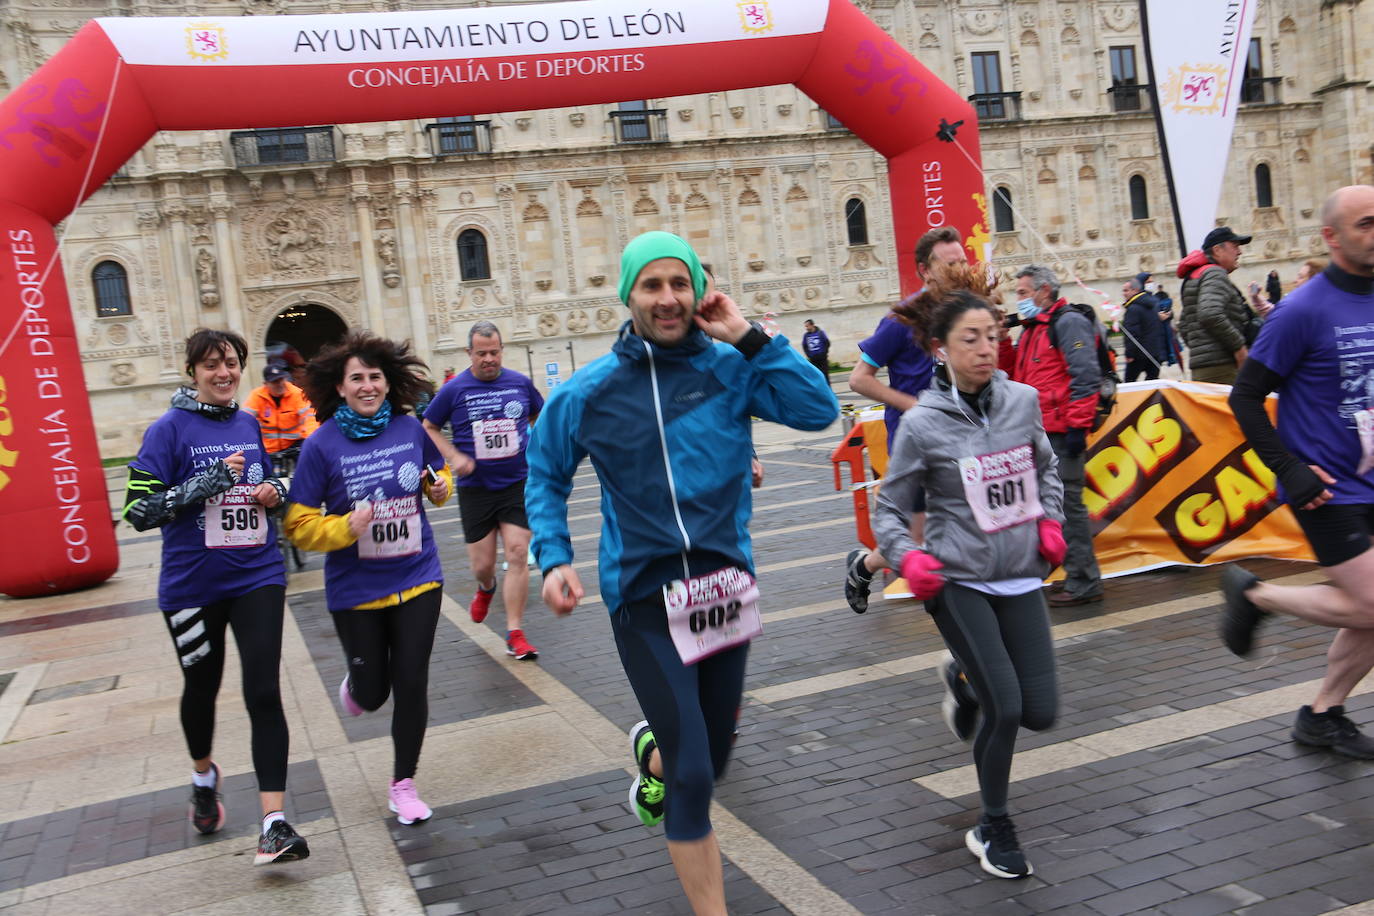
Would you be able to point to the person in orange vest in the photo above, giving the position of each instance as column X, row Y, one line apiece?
column 284, row 414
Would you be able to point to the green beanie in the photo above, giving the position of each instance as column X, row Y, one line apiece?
column 650, row 247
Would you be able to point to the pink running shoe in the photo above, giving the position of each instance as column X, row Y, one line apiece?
column 481, row 603
column 346, row 700
column 406, row 804
column 519, row 646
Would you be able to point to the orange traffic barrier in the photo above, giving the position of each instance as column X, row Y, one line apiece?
column 867, row 435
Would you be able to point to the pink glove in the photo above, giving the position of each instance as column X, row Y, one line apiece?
column 1052, row 546
column 919, row 571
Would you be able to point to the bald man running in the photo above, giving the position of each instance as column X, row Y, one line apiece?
column 1318, row 353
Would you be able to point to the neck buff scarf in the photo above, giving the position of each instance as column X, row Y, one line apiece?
column 650, row 247
column 355, row 426
column 185, row 399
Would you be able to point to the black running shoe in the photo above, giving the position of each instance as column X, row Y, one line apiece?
column 1240, row 618
column 857, row 580
column 993, row 841
column 1332, row 729
column 960, row 705
column 207, row 811
column 281, row 844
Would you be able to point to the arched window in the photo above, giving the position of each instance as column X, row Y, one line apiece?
column 1003, row 220
column 1264, row 188
column 856, row 221
column 1140, row 205
column 472, row 255
column 111, row 290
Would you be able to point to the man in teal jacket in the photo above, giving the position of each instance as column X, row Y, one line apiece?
column 665, row 419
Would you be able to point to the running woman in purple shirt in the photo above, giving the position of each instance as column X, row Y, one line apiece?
column 357, row 494
column 490, row 409
column 202, row 477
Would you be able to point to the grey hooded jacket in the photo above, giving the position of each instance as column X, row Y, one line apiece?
column 931, row 439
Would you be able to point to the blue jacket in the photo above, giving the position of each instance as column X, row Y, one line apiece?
column 668, row 432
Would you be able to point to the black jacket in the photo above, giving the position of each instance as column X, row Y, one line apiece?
column 1142, row 323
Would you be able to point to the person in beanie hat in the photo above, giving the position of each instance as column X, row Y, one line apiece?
column 665, row 419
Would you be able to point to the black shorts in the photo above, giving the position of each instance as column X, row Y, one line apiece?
column 484, row 509
column 1337, row 532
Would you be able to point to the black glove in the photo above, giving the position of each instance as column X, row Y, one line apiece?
column 1075, row 441
column 1300, row 484
column 159, row 508
column 1011, row 320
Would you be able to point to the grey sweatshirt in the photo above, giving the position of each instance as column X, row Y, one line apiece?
column 932, row 438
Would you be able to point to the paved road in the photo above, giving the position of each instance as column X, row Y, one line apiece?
column 1169, row 784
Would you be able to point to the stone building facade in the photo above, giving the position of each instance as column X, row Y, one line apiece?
column 419, row 228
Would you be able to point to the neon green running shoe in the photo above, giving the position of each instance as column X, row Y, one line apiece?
column 646, row 792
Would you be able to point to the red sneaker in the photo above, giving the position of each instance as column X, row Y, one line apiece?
column 481, row 603
column 519, row 646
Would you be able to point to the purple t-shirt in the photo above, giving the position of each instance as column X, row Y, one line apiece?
column 179, row 445
column 503, row 407
column 909, row 368
column 1322, row 343
column 334, row 472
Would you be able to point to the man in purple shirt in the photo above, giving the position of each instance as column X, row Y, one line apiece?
column 1318, row 353
column 909, row 371
column 490, row 409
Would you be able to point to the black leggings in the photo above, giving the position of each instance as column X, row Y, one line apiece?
column 691, row 708
column 198, row 634
column 388, row 653
column 1003, row 645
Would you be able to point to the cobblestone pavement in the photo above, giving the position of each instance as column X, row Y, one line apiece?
column 1169, row 784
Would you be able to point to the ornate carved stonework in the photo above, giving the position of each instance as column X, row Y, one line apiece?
column 123, row 374
column 1120, row 18
column 577, row 321
column 982, row 22
column 386, row 254
column 645, row 205
column 297, row 240
column 588, row 205
column 605, row 318
column 548, row 324
column 534, row 211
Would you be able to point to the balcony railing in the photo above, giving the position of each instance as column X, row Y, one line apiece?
column 274, row 145
column 997, row 106
column 457, row 138
column 1260, row 90
column 645, row 126
column 1132, row 97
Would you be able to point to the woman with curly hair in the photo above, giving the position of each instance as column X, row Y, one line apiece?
column 356, row 494
column 994, row 504
column 203, row 478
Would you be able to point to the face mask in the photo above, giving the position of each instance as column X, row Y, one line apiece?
column 1152, row 287
column 1027, row 309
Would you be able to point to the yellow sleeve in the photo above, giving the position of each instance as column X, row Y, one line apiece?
column 445, row 473
column 311, row 529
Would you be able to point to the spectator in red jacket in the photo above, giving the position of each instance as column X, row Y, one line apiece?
column 1057, row 355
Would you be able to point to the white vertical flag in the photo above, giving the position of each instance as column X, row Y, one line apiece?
column 1197, row 51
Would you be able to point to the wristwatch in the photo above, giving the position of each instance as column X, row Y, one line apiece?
column 753, row 340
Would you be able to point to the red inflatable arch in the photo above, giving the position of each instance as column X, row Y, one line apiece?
column 90, row 107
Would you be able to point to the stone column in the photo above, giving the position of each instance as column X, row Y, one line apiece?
column 229, row 282
column 361, row 198
column 410, row 269
column 183, row 285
